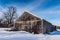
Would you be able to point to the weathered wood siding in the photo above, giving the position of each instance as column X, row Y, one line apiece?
column 30, row 26
column 47, row 26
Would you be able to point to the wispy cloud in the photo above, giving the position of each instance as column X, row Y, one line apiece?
column 47, row 9
column 34, row 4
column 55, row 22
column 2, row 10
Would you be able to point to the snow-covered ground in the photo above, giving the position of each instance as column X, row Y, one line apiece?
column 22, row 35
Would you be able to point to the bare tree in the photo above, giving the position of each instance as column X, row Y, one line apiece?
column 10, row 15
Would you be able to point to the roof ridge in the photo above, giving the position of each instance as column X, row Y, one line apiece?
column 32, row 14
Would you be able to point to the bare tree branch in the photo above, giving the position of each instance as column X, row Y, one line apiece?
column 10, row 15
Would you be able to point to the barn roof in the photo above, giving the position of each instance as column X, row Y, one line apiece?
column 28, row 16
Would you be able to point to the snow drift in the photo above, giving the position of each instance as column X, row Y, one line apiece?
column 22, row 35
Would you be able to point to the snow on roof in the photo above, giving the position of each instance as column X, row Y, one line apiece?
column 32, row 14
column 29, row 13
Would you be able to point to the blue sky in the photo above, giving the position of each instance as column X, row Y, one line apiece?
column 47, row 9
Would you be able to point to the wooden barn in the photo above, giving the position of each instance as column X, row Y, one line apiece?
column 30, row 23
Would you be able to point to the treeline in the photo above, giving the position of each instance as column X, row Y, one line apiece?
column 58, row 27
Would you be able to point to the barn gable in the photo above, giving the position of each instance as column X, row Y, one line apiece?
column 26, row 16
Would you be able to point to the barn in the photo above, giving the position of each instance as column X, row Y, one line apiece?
column 33, row 24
